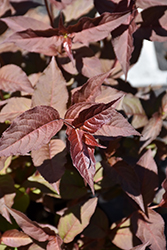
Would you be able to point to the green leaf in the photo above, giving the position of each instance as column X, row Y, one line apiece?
column 75, row 219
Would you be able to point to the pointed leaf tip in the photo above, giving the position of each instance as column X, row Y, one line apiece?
column 30, row 131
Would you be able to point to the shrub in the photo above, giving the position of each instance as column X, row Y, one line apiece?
column 82, row 152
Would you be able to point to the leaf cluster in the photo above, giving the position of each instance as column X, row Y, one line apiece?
column 82, row 151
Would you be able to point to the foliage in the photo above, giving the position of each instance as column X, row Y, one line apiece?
column 81, row 149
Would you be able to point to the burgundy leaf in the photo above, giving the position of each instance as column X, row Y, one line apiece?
column 118, row 126
column 91, row 30
column 152, row 24
column 45, row 42
column 49, row 94
column 28, row 226
column 123, row 43
column 90, row 89
column 15, row 238
column 30, row 131
column 12, row 78
column 75, row 109
column 14, row 107
column 20, row 23
column 148, row 173
column 105, row 5
column 89, row 140
column 82, row 156
column 93, row 118
column 149, row 230
column 123, row 174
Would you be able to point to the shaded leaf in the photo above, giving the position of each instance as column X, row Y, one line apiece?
column 148, row 173
column 7, row 194
column 29, row 227
column 123, row 174
column 14, row 107
column 30, row 131
column 50, row 160
column 151, row 129
column 49, row 94
column 12, row 78
column 98, row 225
column 152, row 24
column 15, row 238
column 76, row 219
column 146, row 230
column 132, row 107
column 123, row 50
column 72, row 185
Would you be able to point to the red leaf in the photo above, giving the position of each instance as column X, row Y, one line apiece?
column 82, row 156
column 93, row 118
column 117, row 126
column 89, row 140
column 123, row 43
column 90, row 89
column 29, row 227
column 149, row 230
column 85, row 31
column 30, row 131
